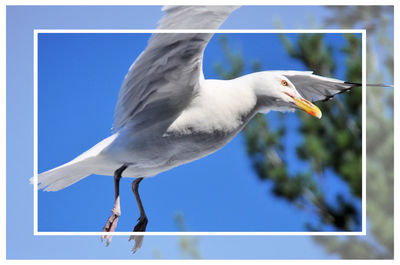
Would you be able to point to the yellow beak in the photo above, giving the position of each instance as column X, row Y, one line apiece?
column 306, row 106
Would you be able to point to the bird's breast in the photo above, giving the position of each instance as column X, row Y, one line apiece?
column 210, row 121
column 214, row 111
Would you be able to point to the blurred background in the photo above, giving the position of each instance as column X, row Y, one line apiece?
column 331, row 148
column 285, row 172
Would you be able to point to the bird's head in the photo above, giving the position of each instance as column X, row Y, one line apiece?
column 275, row 91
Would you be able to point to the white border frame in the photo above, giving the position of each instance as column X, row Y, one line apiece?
column 35, row 128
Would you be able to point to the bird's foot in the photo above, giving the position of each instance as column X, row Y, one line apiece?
column 139, row 227
column 111, row 225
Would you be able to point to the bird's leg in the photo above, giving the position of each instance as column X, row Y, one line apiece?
column 116, row 211
column 142, row 221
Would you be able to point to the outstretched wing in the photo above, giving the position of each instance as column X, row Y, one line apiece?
column 315, row 88
column 163, row 79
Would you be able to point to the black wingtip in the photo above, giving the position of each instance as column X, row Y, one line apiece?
column 352, row 83
column 331, row 96
column 359, row 84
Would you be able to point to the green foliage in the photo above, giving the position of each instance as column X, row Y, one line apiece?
column 312, row 51
column 379, row 128
column 335, row 142
column 331, row 144
column 235, row 61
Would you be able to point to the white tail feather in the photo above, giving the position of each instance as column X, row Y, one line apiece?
column 64, row 175
column 77, row 169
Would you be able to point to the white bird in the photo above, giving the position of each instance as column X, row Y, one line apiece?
column 168, row 114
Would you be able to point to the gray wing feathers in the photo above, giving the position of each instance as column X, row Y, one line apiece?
column 168, row 62
column 164, row 77
column 194, row 17
column 316, row 88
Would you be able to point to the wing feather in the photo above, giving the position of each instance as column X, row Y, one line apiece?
column 163, row 79
column 316, row 88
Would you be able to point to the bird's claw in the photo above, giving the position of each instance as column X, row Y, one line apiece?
column 110, row 226
column 139, row 227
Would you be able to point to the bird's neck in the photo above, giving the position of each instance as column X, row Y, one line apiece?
column 235, row 103
column 256, row 84
column 234, row 96
column 220, row 105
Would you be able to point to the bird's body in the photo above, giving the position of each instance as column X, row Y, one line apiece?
column 168, row 114
column 216, row 113
column 213, row 117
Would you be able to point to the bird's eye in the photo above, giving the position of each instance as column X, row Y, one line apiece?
column 284, row 83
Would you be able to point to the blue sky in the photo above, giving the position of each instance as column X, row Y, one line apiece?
column 79, row 79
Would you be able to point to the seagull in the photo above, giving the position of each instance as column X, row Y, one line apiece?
column 168, row 114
